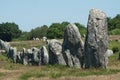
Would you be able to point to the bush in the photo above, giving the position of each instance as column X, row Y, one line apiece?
column 8, row 31
column 115, row 49
column 114, row 32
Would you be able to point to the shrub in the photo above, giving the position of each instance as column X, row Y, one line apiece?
column 115, row 49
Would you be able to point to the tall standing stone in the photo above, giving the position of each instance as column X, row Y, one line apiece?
column 96, row 40
column 73, row 46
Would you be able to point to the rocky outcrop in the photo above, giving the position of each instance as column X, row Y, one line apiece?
column 73, row 46
column 96, row 42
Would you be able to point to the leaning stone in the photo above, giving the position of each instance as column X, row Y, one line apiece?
column 55, row 53
column 73, row 46
column 96, row 42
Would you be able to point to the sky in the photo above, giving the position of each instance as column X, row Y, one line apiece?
column 29, row 14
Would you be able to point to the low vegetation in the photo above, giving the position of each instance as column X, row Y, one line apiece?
column 58, row 71
column 27, row 44
column 54, row 71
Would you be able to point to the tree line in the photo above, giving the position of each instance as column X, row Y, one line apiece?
column 114, row 25
column 10, row 31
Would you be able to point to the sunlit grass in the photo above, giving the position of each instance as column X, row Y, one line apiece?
column 27, row 44
column 56, row 71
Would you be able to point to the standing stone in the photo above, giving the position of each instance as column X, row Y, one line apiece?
column 24, row 57
column 13, row 54
column 35, row 57
column 1, row 44
column 6, row 47
column 55, row 53
column 96, row 40
column 19, row 59
column 73, row 46
column 44, row 55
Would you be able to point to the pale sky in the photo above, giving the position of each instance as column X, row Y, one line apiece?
column 29, row 14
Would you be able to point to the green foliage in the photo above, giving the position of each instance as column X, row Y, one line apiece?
column 57, row 71
column 3, row 57
column 114, row 32
column 56, row 30
column 113, row 60
column 8, row 31
column 115, row 49
column 81, row 28
column 23, row 37
column 114, row 25
column 38, row 32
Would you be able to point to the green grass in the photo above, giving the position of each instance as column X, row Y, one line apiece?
column 3, row 57
column 58, row 71
column 113, row 60
column 27, row 44
column 1, row 74
column 114, row 44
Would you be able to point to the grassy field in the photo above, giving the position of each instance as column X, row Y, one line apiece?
column 11, row 71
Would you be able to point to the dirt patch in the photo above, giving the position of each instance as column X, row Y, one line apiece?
column 101, row 77
column 10, row 74
column 114, row 37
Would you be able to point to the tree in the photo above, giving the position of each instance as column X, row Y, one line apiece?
column 38, row 32
column 114, row 25
column 8, row 31
column 56, row 30
column 81, row 28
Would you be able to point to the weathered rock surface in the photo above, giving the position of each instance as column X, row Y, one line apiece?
column 106, row 55
column 73, row 46
column 35, row 59
column 4, row 45
column 44, row 55
column 55, row 53
column 13, row 54
column 96, row 40
column 109, row 53
column 24, row 57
